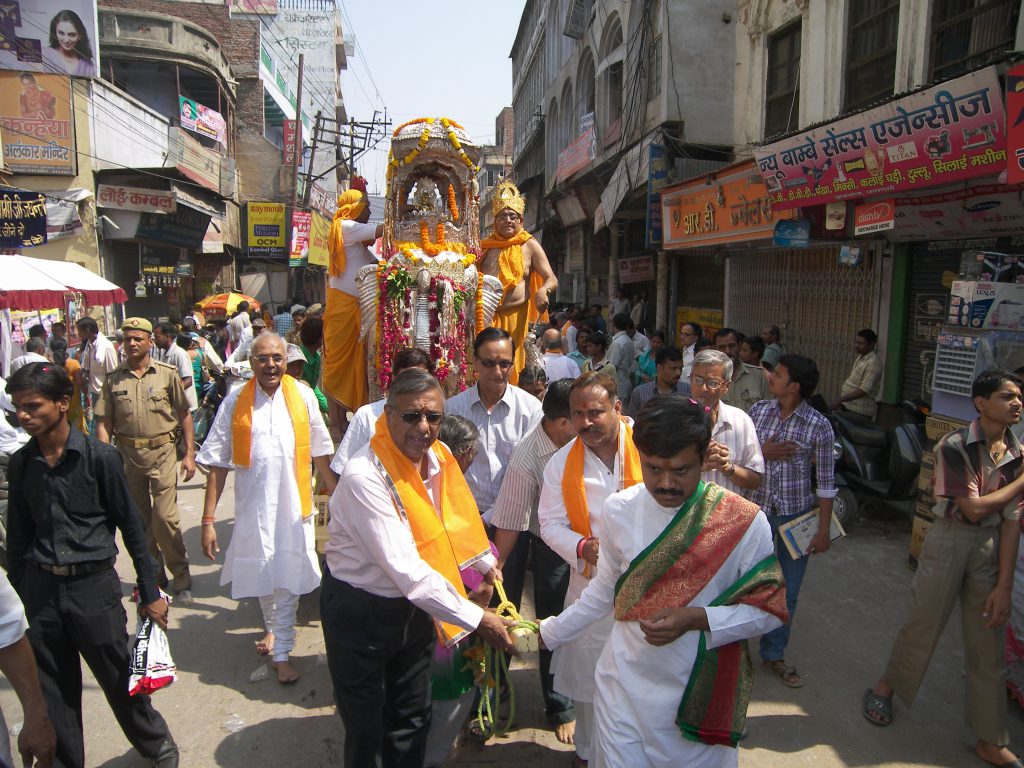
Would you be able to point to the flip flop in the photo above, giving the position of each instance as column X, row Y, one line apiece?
column 882, row 705
column 786, row 675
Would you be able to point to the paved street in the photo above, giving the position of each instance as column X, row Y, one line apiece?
column 854, row 598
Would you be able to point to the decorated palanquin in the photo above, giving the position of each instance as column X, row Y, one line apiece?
column 427, row 291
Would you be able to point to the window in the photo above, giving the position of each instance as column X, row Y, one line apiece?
column 968, row 34
column 871, row 51
column 585, row 93
column 782, row 97
column 654, row 68
column 612, row 85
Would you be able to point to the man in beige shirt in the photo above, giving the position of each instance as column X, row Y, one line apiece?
column 748, row 382
column 861, row 387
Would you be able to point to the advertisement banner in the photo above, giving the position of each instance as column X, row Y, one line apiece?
column 732, row 208
column 49, row 36
column 198, row 163
column 200, row 119
column 657, row 180
column 792, row 234
column 22, row 218
column 874, row 216
column 577, row 156
column 299, row 252
column 37, row 123
column 636, row 269
column 710, row 320
column 265, row 229
column 952, row 132
column 973, row 211
column 289, row 141
column 1015, row 125
column 135, row 199
column 319, row 231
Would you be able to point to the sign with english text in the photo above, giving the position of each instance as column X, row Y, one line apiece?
column 874, row 216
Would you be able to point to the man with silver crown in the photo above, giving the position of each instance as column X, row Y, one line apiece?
column 513, row 256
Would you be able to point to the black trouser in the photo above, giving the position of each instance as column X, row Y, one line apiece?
column 82, row 617
column 550, row 582
column 378, row 653
column 513, row 575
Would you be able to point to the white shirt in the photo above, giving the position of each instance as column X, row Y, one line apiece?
column 271, row 547
column 372, row 548
column 29, row 357
column 735, row 430
column 688, row 354
column 639, row 686
column 557, row 367
column 98, row 359
column 241, row 352
column 236, row 324
column 358, row 434
column 13, row 623
column 620, row 307
column 570, row 339
column 178, row 357
column 640, row 343
column 622, row 355
column 357, row 254
column 501, row 429
column 516, row 507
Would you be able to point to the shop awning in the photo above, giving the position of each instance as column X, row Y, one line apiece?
column 630, row 174
column 27, row 284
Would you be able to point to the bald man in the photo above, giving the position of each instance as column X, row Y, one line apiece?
column 556, row 365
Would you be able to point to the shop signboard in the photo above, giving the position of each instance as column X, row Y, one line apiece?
column 971, row 210
column 136, row 199
column 49, row 36
column 577, row 156
column 1015, row 124
column 657, row 180
column 38, row 123
column 874, row 216
column 22, row 218
column 636, row 269
column 729, row 206
column 288, row 151
column 949, row 133
column 792, row 234
column 299, row 251
column 265, row 233
column 200, row 119
column 319, row 232
column 184, row 228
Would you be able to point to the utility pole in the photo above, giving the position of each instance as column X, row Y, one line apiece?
column 362, row 136
column 294, row 273
column 307, row 190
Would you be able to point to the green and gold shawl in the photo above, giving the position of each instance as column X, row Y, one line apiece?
column 672, row 571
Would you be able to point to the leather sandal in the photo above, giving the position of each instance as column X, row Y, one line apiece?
column 786, row 674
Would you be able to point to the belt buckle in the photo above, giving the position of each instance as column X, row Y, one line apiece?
column 62, row 570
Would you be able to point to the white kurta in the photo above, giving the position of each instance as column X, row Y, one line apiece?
column 271, row 547
column 639, row 686
column 573, row 666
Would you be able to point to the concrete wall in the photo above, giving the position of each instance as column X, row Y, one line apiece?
column 125, row 132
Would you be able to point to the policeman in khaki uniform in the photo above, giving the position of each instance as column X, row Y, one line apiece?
column 143, row 404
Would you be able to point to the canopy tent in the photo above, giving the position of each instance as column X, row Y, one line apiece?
column 27, row 283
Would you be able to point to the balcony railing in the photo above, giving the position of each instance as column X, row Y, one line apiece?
column 967, row 36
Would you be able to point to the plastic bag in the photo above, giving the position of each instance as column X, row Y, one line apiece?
column 151, row 666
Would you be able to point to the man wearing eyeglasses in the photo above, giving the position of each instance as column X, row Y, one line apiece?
column 733, row 459
column 269, row 431
column 689, row 336
column 403, row 522
column 503, row 413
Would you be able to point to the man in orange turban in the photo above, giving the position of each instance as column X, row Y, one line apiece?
column 344, row 369
column 516, row 258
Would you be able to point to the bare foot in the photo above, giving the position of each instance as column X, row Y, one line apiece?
column 993, row 754
column 265, row 646
column 565, row 732
column 286, row 673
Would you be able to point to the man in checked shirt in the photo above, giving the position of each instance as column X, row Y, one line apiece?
column 793, row 435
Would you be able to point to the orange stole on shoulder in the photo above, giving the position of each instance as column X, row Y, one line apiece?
column 448, row 542
column 241, row 435
column 344, row 360
column 574, row 491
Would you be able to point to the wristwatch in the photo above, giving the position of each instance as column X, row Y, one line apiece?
column 729, row 469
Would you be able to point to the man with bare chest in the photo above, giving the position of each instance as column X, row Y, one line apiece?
column 513, row 256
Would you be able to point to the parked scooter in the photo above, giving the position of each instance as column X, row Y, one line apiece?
column 877, row 466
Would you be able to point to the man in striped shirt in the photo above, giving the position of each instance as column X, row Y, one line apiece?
column 516, row 511
column 734, row 459
column 793, row 436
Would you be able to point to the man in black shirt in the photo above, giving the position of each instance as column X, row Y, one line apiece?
column 67, row 495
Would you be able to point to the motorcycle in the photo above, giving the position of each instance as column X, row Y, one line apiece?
column 877, row 466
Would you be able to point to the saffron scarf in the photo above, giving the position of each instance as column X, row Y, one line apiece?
column 574, row 491
column 510, row 258
column 241, row 435
column 350, row 204
column 672, row 571
column 448, row 542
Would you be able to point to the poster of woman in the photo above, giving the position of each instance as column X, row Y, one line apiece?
column 50, row 36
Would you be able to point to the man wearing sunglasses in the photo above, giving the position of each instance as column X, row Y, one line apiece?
column 403, row 522
column 269, row 432
column 503, row 413
column 733, row 459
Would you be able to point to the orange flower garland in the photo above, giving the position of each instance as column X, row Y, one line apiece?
column 435, row 247
column 453, row 204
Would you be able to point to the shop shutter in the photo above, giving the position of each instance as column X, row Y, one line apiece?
column 701, row 280
column 818, row 304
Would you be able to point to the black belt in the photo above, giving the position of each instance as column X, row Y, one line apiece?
column 77, row 569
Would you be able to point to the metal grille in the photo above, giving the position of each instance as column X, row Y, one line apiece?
column 967, row 34
column 954, row 370
column 818, row 304
column 701, row 280
column 871, row 52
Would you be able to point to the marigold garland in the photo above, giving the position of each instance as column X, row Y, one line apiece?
column 435, row 247
column 453, row 204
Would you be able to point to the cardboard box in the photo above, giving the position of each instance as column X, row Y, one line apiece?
column 917, row 536
column 937, row 427
column 924, row 479
column 986, row 305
